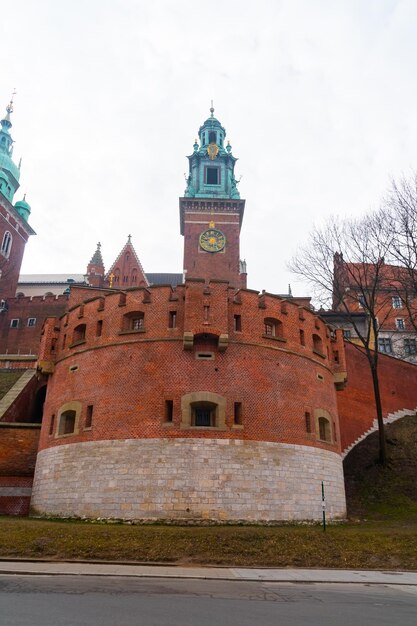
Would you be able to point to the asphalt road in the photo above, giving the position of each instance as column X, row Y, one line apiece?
column 54, row 600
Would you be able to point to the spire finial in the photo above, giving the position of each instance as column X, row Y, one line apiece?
column 212, row 109
column 98, row 246
column 129, row 237
column 24, row 197
column 9, row 107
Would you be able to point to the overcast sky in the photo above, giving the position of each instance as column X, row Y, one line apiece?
column 318, row 98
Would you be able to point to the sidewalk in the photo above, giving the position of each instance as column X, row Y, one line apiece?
column 368, row 577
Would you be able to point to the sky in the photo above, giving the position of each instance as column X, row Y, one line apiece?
column 318, row 98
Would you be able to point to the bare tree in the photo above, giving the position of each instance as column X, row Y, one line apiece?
column 344, row 264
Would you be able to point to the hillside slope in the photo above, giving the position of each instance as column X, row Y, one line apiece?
column 374, row 492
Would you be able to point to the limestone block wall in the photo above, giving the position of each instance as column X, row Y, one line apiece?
column 220, row 479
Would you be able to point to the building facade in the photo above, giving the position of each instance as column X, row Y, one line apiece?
column 178, row 402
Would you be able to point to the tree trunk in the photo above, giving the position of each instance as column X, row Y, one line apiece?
column 378, row 406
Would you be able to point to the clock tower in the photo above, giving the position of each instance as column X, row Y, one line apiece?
column 211, row 211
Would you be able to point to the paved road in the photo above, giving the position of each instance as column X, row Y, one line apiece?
column 55, row 600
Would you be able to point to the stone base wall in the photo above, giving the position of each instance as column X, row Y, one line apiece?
column 217, row 479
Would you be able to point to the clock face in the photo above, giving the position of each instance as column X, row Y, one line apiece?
column 212, row 240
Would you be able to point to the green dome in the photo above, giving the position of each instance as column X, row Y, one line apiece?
column 23, row 208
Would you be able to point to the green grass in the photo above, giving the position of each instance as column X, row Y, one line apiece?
column 367, row 545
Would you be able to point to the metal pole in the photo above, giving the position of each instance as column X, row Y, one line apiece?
column 323, row 505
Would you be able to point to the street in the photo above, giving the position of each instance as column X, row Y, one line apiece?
column 56, row 600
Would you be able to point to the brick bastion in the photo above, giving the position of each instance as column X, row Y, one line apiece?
column 197, row 402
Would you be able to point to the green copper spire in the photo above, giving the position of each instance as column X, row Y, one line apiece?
column 211, row 166
column 9, row 172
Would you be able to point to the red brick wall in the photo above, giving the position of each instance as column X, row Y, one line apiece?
column 25, row 339
column 10, row 267
column 18, row 449
column 15, row 493
column 128, row 376
column 398, row 381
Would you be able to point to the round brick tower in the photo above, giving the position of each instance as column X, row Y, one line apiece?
column 205, row 401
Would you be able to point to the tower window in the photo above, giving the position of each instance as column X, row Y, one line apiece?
column 79, row 333
column 99, row 328
column 67, row 423
column 169, row 410
column 172, row 322
column 237, row 323
column 212, row 137
column 212, row 176
column 31, row 321
column 6, row 244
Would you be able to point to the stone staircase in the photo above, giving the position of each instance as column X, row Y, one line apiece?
column 15, row 391
column 388, row 419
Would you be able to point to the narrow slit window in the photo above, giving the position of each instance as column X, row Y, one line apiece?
column 307, row 417
column 172, row 322
column 99, row 328
column 52, row 424
column 238, row 413
column 237, row 323
column 169, row 410
column 302, row 338
column 89, row 416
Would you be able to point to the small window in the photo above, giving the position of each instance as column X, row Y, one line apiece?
column 410, row 346
column 273, row 327
column 32, row 321
column 204, row 414
column 212, row 137
column 136, row 323
column 52, row 424
column 317, row 344
column 237, row 320
column 64, row 341
column 400, row 324
column 213, row 176
column 14, row 323
column 336, row 356
column 6, row 244
column 237, row 417
column 133, row 322
column 79, row 333
column 385, row 345
column 361, row 301
column 169, row 410
column 307, row 417
column 302, row 338
column 89, row 416
column 324, row 429
column 347, row 333
column 172, row 320
column 99, row 328
column 67, row 422
column 397, row 302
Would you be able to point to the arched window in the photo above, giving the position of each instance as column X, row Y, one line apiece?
column 318, row 344
column 273, row 328
column 6, row 244
column 325, row 432
column 134, row 276
column 212, row 137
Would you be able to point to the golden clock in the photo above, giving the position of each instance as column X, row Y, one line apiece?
column 212, row 240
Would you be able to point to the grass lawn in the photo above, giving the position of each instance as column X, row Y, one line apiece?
column 382, row 533
column 372, row 544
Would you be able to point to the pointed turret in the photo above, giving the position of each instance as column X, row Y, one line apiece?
column 9, row 171
column 127, row 270
column 95, row 269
